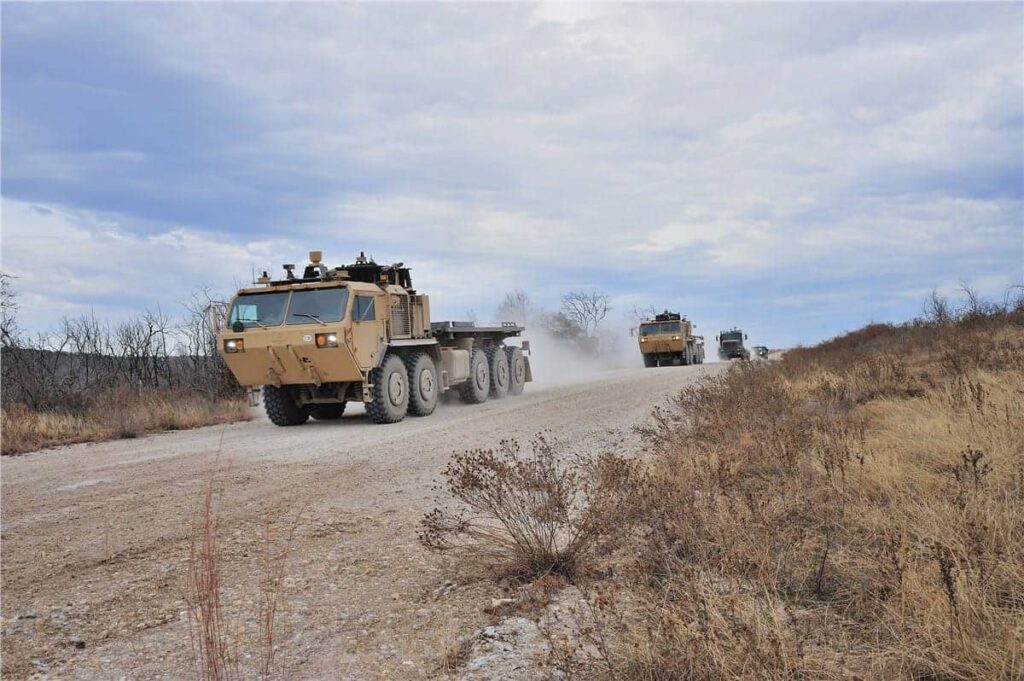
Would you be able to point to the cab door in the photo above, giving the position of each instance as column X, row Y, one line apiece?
column 367, row 328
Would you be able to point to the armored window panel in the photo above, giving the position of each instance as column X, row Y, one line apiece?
column 363, row 309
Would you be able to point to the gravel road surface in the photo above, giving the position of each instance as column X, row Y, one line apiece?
column 95, row 538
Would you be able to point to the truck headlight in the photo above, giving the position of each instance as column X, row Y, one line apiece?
column 643, row 340
column 675, row 337
column 327, row 340
column 234, row 345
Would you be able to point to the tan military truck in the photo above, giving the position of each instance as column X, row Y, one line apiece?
column 361, row 333
column 668, row 339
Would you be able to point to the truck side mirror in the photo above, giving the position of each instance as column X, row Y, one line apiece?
column 716, row 339
column 745, row 337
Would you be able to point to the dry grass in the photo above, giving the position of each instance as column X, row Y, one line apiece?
column 530, row 513
column 853, row 511
column 214, row 656
column 216, row 647
column 120, row 413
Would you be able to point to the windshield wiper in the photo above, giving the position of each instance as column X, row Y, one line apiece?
column 254, row 321
column 314, row 317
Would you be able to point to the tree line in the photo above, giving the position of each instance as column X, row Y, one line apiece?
column 70, row 367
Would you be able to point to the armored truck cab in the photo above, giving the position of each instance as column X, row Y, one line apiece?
column 361, row 333
column 730, row 345
column 668, row 339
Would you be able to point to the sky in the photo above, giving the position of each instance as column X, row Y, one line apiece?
column 797, row 170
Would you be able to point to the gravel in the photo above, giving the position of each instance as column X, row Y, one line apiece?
column 95, row 537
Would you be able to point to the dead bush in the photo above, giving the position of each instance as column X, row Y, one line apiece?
column 532, row 513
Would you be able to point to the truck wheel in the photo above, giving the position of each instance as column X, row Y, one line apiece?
column 390, row 391
column 422, row 384
column 516, row 370
column 497, row 362
column 281, row 408
column 327, row 412
column 478, row 384
column 650, row 361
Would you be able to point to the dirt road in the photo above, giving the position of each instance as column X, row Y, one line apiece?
column 95, row 537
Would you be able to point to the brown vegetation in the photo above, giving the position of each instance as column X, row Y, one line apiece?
column 119, row 413
column 215, row 646
column 529, row 513
column 855, row 510
column 87, row 380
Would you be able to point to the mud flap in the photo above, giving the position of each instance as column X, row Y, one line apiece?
column 529, row 372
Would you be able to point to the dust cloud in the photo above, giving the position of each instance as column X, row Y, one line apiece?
column 556, row 361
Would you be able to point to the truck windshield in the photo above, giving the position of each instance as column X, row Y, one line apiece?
column 310, row 306
column 733, row 336
column 259, row 309
column 659, row 327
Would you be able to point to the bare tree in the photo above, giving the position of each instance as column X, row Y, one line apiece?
column 974, row 305
column 639, row 314
column 586, row 308
column 936, row 308
column 8, row 312
column 516, row 307
column 1013, row 299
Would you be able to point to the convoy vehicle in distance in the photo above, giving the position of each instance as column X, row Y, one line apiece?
column 761, row 351
column 668, row 339
column 361, row 333
column 730, row 344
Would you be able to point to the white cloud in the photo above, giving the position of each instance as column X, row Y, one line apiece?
column 69, row 262
column 566, row 144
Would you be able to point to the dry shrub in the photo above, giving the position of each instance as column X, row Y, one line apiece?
column 531, row 513
column 214, row 646
column 214, row 657
column 853, row 511
column 118, row 413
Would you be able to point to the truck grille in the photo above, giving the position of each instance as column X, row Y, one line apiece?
column 401, row 324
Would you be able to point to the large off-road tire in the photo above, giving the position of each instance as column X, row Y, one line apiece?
column 281, row 408
column 650, row 361
column 390, row 391
column 516, row 370
column 478, row 386
column 423, row 386
column 327, row 412
column 497, row 363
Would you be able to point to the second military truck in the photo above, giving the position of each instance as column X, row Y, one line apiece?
column 730, row 345
column 668, row 339
column 361, row 333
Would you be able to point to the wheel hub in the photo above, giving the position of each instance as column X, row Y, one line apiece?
column 426, row 383
column 396, row 388
column 481, row 374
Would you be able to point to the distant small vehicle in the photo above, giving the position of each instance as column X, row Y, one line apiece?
column 730, row 345
column 761, row 351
